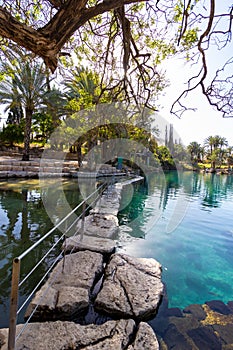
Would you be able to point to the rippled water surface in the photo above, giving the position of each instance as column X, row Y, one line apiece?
column 185, row 221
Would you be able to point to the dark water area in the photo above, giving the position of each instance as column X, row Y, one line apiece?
column 23, row 220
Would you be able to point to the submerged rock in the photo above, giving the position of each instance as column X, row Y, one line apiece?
column 132, row 287
column 218, row 306
column 205, row 338
column 196, row 310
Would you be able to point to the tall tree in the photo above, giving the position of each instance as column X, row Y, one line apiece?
column 195, row 150
column 127, row 39
column 216, row 149
column 26, row 88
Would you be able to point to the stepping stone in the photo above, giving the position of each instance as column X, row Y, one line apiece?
column 100, row 225
column 100, row 245
column 112, row 335
column 132, row 287
column 67, row 291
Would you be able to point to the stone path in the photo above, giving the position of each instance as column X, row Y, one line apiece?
column 67, row 291
column 131, row 287
column 114, row 285
column 112, row 335
column 14, row 167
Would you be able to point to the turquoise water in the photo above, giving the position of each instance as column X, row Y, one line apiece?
column 184, row 221
column 191, row 234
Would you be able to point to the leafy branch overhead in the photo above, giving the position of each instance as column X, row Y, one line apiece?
column 125, row 41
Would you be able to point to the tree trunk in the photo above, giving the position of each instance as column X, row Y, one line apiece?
column 79, row 154
column 27, row 134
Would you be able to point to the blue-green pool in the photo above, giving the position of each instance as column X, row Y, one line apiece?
column 184, row 220
column 192, row 237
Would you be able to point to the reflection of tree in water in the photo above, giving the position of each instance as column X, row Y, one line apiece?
column 129, row 215
column 215, row 189
column 170, row 188
column 27, row 222
column 167, row 184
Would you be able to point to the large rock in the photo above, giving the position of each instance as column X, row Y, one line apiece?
column 112, row 335
column 145, row 338
column 100, row 225
column 107, row 204
column 95, row 244
column 132, row 287
column 68, row 288
column 205, row 338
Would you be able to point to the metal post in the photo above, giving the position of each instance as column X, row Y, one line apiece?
column 83, row 220
column 14, row 303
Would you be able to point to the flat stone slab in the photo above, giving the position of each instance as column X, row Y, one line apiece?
column 112, row 335
column 132, row 287
column 108, row 204
column 79, row 243
column 100, row 225
column 67, row 290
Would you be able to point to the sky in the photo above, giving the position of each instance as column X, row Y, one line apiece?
column 206, row 121
column 198, row 125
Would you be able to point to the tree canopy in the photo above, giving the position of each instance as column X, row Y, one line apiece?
column 126, row 40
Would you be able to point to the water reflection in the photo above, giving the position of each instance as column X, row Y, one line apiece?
column 197, row 254
column 161, row 189
column 23, row 221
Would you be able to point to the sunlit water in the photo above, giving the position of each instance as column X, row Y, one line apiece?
column 184, row 221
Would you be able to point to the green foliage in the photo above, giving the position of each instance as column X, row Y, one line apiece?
column 83, row 90
column 189, row 38
column 42, row 125
column 12, row 133
column 163, row 155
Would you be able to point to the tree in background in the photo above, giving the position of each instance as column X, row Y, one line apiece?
column 195, row 150
column 25, row 88
column 12, row 133
column 216, row 146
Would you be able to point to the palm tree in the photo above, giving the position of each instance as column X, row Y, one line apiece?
column 216, row 145
column 82, row 91
column 195, row 150
column 25, row 88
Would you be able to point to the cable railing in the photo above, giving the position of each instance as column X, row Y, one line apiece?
column 67, row 228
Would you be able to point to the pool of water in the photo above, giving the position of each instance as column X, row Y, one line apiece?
column 185, row 221
column 182, row 220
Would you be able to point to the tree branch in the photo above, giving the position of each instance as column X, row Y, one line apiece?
column 47, row 41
